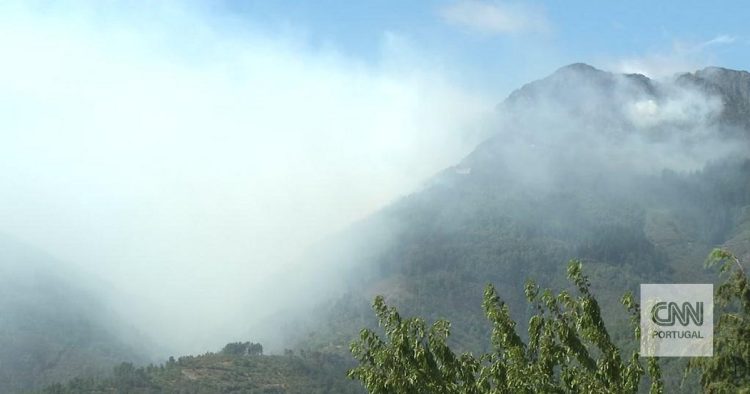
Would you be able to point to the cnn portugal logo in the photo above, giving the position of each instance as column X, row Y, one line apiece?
column 677, row 320
column 666, row 314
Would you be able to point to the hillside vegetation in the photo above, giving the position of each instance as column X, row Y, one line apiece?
column 233, row 370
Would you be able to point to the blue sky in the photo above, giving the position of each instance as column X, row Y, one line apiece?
column 646, row 36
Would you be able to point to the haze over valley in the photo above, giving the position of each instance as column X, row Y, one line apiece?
column 237, row 183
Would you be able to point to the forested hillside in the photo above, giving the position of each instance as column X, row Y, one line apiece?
column 238, row 368
column 50, row 329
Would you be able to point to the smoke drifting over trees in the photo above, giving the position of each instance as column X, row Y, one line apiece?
column 186, row 158
column 200, row 180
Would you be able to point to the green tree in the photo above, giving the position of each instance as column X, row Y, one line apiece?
column 568, row 350
column 236, row 348
column 255, row 349
column 728, row 371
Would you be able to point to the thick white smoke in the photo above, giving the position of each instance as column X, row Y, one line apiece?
column 185, row 157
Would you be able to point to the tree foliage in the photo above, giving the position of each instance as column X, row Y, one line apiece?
column 243, row 349
column 568, row 350
column 728, row 371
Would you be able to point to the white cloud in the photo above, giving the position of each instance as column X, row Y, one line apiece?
column 718, row 40
column 681, row 107
column 495, row 17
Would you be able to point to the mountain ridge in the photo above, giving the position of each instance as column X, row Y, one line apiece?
column 541, row 191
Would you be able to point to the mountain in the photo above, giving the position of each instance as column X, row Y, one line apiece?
column 732, row 86
column 50, row 329
column 639, row 178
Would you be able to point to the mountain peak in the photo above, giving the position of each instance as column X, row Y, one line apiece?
column 579, row 68
column 574, row 85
